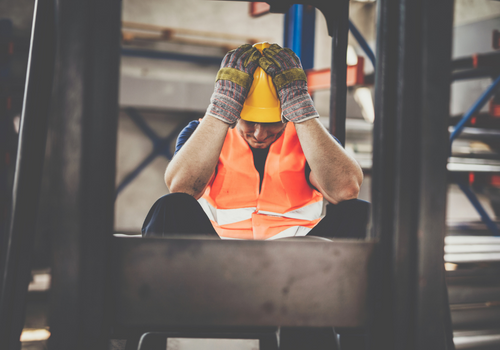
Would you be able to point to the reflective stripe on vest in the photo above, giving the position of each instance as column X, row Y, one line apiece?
column 285, row 206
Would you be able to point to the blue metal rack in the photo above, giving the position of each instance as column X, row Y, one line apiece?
column 362, row 42
column 459, row 127
column 299, row 33
column 476, row 107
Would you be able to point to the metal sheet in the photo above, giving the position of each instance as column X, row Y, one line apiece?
column 472, row 240
column 477, row 339
column 484, row 342
column 476, row 316
column 461, row 294
column 474, row 275
column 472, row 258
column 167, row 282
column 472, row 164
column 473, row 248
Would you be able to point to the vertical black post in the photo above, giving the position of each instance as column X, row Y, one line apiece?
column 406, row 174
column 339, row 29
column 8, row 136
column 84, row 153
column 409, row 172
column 383, row 170
column 436, row 66
column 16, row 263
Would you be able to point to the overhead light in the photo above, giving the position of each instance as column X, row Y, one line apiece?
column 34, row 335
column 363, row 96
column 40, row 282
column 17, row 121
column 450, row 266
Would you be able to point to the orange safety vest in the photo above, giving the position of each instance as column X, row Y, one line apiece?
column 286, row 205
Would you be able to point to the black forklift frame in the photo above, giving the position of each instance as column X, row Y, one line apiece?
column 404, row 280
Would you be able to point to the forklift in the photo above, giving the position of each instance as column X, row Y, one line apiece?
column 385, row 290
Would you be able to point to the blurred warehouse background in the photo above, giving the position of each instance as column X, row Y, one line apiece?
column 171, row 52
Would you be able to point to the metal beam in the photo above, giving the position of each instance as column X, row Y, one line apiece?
column 362, row 42
column 176, row 282
column 339, row 30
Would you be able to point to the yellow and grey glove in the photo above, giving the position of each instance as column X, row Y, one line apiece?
column 283, row 65
column 233, row 82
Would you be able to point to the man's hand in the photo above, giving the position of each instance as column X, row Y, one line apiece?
column 290, row 80
column 233, row 82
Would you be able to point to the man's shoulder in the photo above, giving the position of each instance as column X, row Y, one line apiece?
column 185, row 134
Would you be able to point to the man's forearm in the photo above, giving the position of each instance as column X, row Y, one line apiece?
column 193, row 166
column 333, row 171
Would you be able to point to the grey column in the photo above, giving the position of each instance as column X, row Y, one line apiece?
column 83, row 147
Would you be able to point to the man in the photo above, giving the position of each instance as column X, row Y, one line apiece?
column 256, row 174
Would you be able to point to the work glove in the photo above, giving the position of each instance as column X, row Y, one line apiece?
column 283, row 65
column 233, row 82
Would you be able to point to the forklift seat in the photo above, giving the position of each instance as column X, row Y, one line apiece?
column 194, row 306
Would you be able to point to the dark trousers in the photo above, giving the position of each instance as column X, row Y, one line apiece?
column 181, row 214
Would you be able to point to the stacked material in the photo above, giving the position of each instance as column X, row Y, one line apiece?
column 473, row 278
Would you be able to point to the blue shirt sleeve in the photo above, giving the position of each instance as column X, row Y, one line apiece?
column 185, row 134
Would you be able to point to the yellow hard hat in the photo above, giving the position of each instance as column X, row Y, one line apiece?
column 262, row 104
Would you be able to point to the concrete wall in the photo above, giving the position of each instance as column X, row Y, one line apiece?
column 210, row 16
column 467, row 11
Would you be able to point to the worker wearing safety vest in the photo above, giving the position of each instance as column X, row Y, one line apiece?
column 259, row 164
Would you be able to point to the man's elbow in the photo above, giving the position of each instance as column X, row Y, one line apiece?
column 346, row 192
column 173, row 185
column 350, row 192
column 179, row 187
